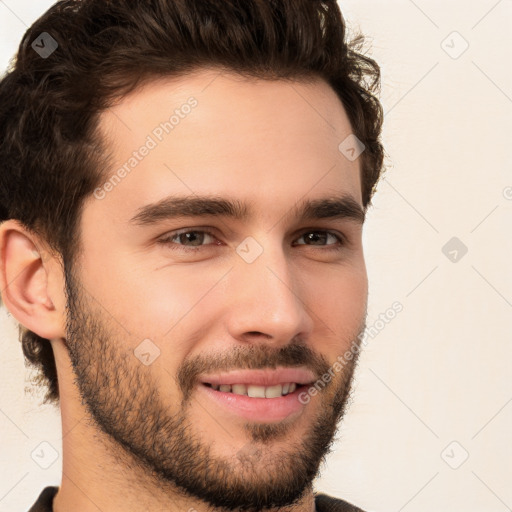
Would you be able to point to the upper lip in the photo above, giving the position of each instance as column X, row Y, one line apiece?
column 266, row 377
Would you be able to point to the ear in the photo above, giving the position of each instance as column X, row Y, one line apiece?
column 26, row 268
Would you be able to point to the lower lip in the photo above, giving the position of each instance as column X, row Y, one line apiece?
column 262, row 410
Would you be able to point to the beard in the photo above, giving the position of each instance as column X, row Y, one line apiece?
column 125, row 402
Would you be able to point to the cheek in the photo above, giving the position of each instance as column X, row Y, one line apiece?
column 146, row 298
column 339, row 304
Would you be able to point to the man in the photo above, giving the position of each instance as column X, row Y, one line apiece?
column 183, row 191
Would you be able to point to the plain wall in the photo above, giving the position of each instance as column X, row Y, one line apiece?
column 434, row 384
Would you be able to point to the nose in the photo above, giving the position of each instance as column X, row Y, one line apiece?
column 269, row 302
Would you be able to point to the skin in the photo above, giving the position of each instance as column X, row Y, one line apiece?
column 269, row 144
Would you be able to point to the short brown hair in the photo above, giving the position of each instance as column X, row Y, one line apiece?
column 50, row 150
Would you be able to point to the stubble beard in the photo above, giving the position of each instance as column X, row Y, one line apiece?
column 124, row 402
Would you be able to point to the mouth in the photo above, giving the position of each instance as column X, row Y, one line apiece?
column 258, row 395
column 255, row 391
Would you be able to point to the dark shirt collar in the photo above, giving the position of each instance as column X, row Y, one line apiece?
column 323, row 502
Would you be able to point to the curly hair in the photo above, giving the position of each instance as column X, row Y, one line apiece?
column 50, row 148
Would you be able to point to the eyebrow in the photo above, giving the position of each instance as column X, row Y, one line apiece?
column 334, row 207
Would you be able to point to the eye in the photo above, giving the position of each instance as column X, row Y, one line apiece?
column 320, row 237
column 194, row 239
column 188, row 239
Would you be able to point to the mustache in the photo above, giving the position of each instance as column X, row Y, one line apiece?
column 255, row 357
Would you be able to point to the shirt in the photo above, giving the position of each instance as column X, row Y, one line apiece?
column 323, row 502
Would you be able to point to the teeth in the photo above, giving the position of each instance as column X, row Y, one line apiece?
column 239, row 389
column 257, row 391
column 274, row 391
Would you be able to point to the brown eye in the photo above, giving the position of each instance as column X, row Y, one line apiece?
column 187, row 239
column 321, row 238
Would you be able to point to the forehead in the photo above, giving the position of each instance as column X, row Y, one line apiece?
column 262, row 141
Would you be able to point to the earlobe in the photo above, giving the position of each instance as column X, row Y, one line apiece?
column 24, row 276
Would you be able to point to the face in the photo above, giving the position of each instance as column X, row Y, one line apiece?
column 221, row 275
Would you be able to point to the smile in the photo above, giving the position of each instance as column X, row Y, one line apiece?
column 268, row 395
column 254, row 391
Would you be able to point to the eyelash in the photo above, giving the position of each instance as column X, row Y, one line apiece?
column 167, row 240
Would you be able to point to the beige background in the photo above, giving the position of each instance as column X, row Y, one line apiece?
column 435, row 384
